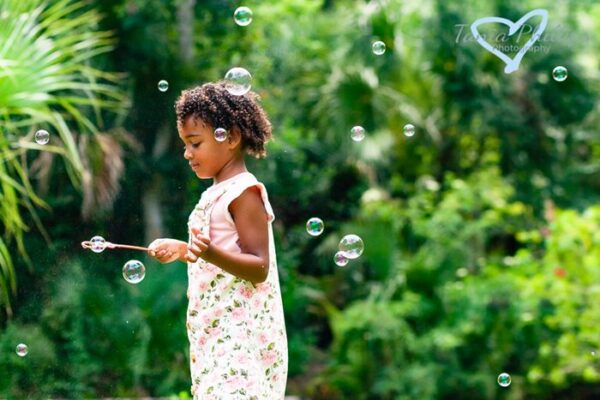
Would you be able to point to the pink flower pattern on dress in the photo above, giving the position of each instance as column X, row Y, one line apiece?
column 238, row 345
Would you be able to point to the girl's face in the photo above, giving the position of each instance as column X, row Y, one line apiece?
column 206, row 156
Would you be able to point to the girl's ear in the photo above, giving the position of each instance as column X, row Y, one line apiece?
column 234, row 138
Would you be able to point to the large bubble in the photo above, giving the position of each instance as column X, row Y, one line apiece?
column 22, row 350
column 220, row 134
column 409, row 130
column 351, row 246
column 163, row 85
column 560, row 73
column 134, row 271
column 340, row 259
column 242, row 16
column 98, row 244
column 238, row 81
column 42, row 137
column 315, row 226
column 357, row 133
column 378, row 48
column 504, row 379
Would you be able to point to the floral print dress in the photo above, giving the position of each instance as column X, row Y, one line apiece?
column 236, row 330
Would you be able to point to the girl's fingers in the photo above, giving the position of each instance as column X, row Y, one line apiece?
column 202, row 242
column 195, row 249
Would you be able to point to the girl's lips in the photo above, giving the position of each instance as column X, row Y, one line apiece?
column 193, row 166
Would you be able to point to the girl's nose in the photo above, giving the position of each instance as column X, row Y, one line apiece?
column 187, row 154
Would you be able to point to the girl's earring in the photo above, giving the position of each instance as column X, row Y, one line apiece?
column 220, row 134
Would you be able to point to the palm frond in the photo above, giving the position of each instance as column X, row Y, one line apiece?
column 47, row 80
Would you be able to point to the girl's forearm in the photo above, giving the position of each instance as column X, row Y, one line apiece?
column 246, row 266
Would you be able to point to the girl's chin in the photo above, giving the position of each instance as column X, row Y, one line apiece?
column 201, row 175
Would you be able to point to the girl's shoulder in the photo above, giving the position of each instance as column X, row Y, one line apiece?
column 239, row 185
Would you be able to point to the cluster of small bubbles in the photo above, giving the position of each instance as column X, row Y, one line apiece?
column 134, row 271
column 238, row 81
column 409, row 130
column 22, row 350
column 315, row 226
column 242, row 16
column 378, row 48
column 220, row 134
column 351, row 246
column 339, row 259
column 560, row 73
column 504, row 379
column 42, row 136
column 163, row 85
column 357, row 133
column 98, row 244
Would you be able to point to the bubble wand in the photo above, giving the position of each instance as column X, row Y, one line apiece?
column 97, row 244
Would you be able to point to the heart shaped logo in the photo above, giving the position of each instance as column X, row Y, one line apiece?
column 512, row 64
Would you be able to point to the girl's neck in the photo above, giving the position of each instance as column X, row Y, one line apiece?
column 232, row 168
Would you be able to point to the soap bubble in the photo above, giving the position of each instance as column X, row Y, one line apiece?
column 163, row 85
column 22, row 350
column 220, row 134
column 42, row 137
column 134, row 271
column 315, row 226
column 378, row 47
column 560, row 73
column 504, row 379
column 351, row 246
column 98, row 244
column 340, row 259
column 357, row 133
column 238, row 81
column 242, row 16
column 409, row 130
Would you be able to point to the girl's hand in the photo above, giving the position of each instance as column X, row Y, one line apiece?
column 198, row 248
column 167, row 250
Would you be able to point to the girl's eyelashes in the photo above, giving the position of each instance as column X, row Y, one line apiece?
column 194, row 145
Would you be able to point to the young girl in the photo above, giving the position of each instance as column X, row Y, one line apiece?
column 235, row 325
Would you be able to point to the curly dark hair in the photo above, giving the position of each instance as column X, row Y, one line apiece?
column 213, row 104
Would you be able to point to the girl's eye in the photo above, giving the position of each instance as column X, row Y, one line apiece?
column 194, row 145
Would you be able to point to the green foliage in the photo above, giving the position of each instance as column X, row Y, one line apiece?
column 456, row 311
column 468, row 270
column 47, row 80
